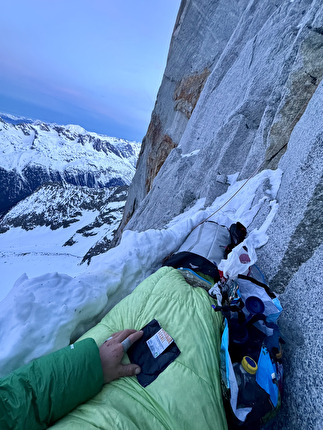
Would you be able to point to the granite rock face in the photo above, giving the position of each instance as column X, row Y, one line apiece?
column 242, row 92
column 200, row 36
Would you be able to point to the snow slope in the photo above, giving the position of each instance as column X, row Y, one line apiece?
column 44, row 313
column 62, row 193
column 57, row 229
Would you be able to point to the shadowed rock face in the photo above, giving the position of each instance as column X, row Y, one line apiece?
column 188, row 92
column 305, row 240
column 157, row 158
column 300, row 87
column 241, row 92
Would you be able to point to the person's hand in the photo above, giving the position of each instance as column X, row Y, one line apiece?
column 111, row 354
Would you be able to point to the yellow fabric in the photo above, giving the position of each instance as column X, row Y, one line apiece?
column 187, row 394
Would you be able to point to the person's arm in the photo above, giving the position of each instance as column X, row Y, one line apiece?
column 40, row 393
column 48, row 388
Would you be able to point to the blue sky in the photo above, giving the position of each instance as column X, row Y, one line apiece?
column 96, row 63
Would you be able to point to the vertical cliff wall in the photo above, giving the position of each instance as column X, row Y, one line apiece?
column 199, row 38
column 242, row 91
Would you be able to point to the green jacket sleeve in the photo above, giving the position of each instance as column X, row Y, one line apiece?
column 38, row 394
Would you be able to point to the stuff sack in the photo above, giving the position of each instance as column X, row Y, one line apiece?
column 209, row 240
column 238, row 233
column 251, row 368
column 208, row 244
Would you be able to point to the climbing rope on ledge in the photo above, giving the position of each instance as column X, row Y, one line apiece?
column 233, row 195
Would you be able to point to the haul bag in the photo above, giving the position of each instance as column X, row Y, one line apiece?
column 250, row 330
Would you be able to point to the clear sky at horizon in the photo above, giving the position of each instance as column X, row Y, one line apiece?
column 96, row 63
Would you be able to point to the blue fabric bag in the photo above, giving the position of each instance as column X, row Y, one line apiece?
column 266, row 376
column 263, row 344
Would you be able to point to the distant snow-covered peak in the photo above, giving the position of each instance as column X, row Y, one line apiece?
column 34, row 153
column 74, row 128
column 8, row 116
column 59, row 147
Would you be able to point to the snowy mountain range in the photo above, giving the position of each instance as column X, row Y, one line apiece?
column 36, row 153
column 62, row 195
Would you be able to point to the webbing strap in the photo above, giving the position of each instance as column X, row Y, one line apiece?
column 260, row 284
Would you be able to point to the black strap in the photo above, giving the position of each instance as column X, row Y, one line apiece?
column 195, row 262
column 260, row 284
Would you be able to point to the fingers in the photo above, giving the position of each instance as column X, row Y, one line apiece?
column 132, row 335
column 128, row 370
column 118, row 335
column 135, row 336
column 126, row 344
column 122, row 335
column 112, row 352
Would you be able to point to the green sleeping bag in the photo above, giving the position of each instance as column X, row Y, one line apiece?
column 187, row 394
